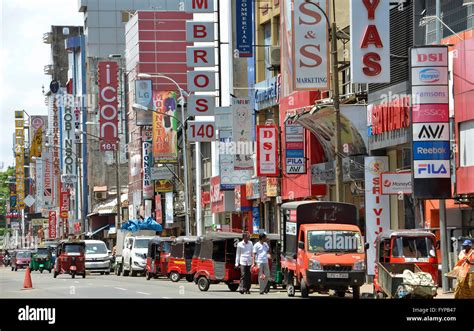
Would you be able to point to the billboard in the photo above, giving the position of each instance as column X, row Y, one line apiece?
column 108, row 105
column 165, row 127
column 147, row 160
column 242, row 129
column 244, row 27
column 310, row 41
column 20, row 158
column 267, row 150
column 52, row 225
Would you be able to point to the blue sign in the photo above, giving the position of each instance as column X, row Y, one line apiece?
column 244, row 27
column 294, row 153
column 255, row 219
column 431, row 150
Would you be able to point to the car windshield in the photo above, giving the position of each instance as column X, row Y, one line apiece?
column 321, row 241
column 96, row 248
column 413, row 247
column 42, row 251
column 141, row 243
column 23, row 255
column 73, row 249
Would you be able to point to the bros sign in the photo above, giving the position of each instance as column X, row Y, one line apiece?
column 108, row 105
column 199, row 6
column 201, row 131
column 201, row 105
column 370, row 41
column 267, row 153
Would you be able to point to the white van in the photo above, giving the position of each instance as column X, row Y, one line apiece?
column 98, row 257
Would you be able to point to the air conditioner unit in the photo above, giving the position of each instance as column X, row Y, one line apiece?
column 100, row 195
column 274, row 56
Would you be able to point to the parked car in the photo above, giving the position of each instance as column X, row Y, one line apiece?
column 98, row 257
column 21, row 259
column 134, row 255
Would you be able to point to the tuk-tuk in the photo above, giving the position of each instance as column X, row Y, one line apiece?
column 70, row 258
column 400, row 250
column 157, row 257
column 181, row 255
column 276, row 276
column 41, row 259
column 21, row 258
column 216, row 261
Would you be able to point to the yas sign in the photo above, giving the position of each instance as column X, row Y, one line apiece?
column 311, row 49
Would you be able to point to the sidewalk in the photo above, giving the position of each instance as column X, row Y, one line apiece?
column 367, row 289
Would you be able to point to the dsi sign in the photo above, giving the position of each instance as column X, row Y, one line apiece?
column 267, row 93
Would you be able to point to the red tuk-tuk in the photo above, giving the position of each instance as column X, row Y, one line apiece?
column 180, row 261
column 157, row 257
column 217, row 260
column 70, row 258
column 397, row 250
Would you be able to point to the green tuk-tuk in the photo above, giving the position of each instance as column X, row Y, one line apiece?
column 41, row 259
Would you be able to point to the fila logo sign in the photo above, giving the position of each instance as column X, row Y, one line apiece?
column 432, row 169
column 430, row 131
column 199, row 31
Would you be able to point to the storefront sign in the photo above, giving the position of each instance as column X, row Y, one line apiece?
column 267, row 150
column 201, row 105
column 108, row 105
column 69, row 158
column 158, row 209
column 242, row 127
column 255, row 219
column 201, row 131
column 244, row 27
column 430, row 131
column 272, row 187
column 165, row 128
column 144, row 94
column 169, row 208
column 430, row 113
column 295, row 159
column 370, row 41
column 201, row 81
column 217, row 196
column 161, row 173
column 48, row 177
column 431, row 169
column 377, row 206
column 146, row 167
column 252, row 189
column 52, row 225
column 425, row 95
column 200, row 56
column 199, row 31
column 431, row 150
column 310, row 46
column 396, row 183
column 390, row 116
column 325, row 173
column 162, row 186
column 20, row 159
column 199, row 6
column 64, row 202
column 267, row 93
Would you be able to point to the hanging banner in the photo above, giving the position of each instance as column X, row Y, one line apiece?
column 229, row 176
column 48, row 177
column 64, row 202
column 69, row 157
column 20, row 158
column 295, row 158
column 217, row 196
column 39, row 192
column 158, row 209
column 310, row 46
column 38, row 126
column 242, row 126
column 165, row 127
column 244, row 27
column 169, row 208
column 108, row 105
column 146, row 167
column 377, row 206
column 52, row 225
column 370, row 41
column 267, row 150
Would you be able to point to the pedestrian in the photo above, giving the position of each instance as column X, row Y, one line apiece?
column 261, row 254
column 465, row 285
column 243, row 259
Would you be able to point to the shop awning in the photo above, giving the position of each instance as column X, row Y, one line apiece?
column 109, row 207
column 101, row 229
column 321, row 121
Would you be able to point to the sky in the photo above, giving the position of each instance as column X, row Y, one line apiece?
column 23, row 56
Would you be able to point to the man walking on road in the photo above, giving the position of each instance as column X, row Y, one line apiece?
column 260, row 259
column 243, row 259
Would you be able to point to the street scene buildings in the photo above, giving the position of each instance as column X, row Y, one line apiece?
column 329, row 126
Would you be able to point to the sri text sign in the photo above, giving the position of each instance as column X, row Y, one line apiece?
column 370, row 41
column 310, row 46
column 108, row 105
column 377, row 206
column 267, row 150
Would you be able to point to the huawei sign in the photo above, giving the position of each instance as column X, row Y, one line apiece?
column 108, row 105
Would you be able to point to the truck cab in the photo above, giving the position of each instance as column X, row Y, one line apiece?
column 323, row 248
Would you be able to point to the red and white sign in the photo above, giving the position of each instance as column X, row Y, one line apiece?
column 199, row 6
column 52, row 225
column 396, row 183
column 430, row 113
column 217, row 196
column 310, row 46
column 267, row 150
column 370, row 41
column 429, row 56
column 377, row 206
column 199, row 31
column 201, row 105
column 108, row 105
column 200, row 57
column 158, row 209
column 201, row 81
column 201, row 131
column 64, row 202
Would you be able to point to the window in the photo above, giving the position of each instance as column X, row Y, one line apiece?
column 466, row 135
column 413, row 247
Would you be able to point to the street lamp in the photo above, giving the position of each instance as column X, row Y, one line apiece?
column 185, row 147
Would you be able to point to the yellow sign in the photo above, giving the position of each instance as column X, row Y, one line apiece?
column 20, row 159
column 36, row 143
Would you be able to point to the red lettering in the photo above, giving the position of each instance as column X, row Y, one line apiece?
column 197, row 79
column 267, row 134
column 378, row 212
column 311, row 55
column 372, row 66
column 199, row 31
column 267, row 146
column 307, row 10
column 201, row 4
column 201, row 105
column 200, row 54
column 371, row 36
column 371, row 6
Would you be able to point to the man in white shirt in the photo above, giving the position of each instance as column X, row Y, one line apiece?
column 243, row 259
column 260, row 258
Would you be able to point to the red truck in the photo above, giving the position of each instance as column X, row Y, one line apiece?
column 323, row 248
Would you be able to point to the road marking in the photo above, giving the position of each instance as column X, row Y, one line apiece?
column 143, row 293
column 89, row 283
column 120, row 288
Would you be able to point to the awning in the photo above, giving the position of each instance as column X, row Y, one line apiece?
column 90, row 234
column 109, row 207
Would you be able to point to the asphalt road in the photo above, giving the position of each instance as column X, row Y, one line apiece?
column 112, row 286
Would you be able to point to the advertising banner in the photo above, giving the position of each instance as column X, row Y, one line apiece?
column 20, row 159
column 146, row 167
column 295, row 158
column 163, row 186
column 47, row 177
column 158, row 209
column 377, row 206
column 108, row 105
column 64, row 202
column 244, row 27
column 242, row 126
column 229, row 176
column 169, row 208
column 144, row 97
column 370, row 41
column 267, row 150
column 310, row 46
column 69, row 157
column 38, row 126
column 396, row 183
column 165, row 127
column 52, row 225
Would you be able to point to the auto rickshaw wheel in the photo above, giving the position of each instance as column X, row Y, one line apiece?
column 190, row 278
column 304, row 289
column 55, row 274
column 84, row 275
column 175, row 276
column 41, row 270
column 356, row 292
column 73, row 274
column 233, row 286
column 203, row 283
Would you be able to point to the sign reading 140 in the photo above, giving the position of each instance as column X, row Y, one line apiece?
column 201, row 131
